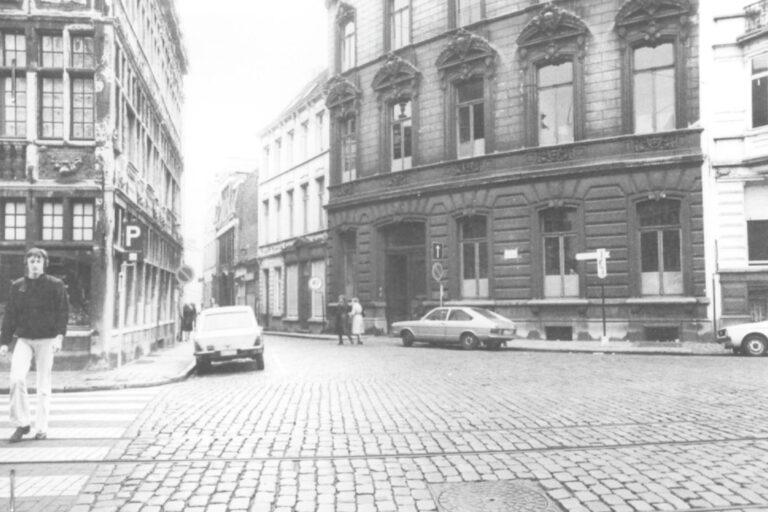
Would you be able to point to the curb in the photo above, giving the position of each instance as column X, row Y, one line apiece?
column 116, row 386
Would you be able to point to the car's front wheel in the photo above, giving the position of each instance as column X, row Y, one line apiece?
column 407, row 337
column 469, row 341
column 259, row 361
column 753, row 345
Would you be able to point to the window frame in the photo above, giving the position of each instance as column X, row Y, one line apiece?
column 634, row 246
column 637, row 28
column 540, row 45
column 19, row 108
column 389, row 25
column 345, row 54
column 651, row 71
column 540, row 88
column 482, row 290
column 54, row 202
column 560, row 235
column 405, row 161
column 752, row 77
column 6, row 215
column 454, row 10
column 342, row 102
column 74, row 204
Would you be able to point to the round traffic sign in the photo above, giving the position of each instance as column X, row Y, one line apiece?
column 185, row 273
column 315, row 283
column 438, row 272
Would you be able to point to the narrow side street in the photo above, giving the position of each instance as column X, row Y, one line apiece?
column 381, row 427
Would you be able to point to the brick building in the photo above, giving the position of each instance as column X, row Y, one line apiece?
column 500, row 139
column 292, row 221
column 735, row 114
column 89, row 141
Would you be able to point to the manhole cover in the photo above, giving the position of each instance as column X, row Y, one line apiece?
column 503, row 496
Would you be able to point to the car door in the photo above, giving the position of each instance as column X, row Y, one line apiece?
column 432, row 326
column 457, row 323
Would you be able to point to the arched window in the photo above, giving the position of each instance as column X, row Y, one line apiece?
column 342, row 101
column 473, row 236
column 559, row 242
column 660, row 247
column 551, row 48
column 653, row 34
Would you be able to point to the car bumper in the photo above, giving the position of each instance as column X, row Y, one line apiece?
column 726, row 341
column 219, row 355
column 498, row 337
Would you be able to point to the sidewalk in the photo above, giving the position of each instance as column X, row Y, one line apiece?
column 161, row 367
column 612, row 347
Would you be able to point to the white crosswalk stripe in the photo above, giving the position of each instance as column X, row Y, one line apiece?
column 83, row 427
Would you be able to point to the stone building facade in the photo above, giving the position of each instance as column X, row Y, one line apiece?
column 501, row 138
column 292, row 220
column 90, row 141
column 735, row 114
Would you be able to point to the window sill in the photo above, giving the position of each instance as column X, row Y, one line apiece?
column 660, row 299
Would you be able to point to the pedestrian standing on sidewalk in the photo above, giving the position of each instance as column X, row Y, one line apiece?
column 358, row 325
column 36, row 312
column 188, row 319
column 342, row 320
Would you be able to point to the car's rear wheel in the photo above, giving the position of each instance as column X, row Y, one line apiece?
column 407, row 337
column 493, row 345
column 469, row 341
column 259, row 361
column 753, row 345
column 202, row 366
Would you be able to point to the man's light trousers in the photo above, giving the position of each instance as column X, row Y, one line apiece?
column 42, row 349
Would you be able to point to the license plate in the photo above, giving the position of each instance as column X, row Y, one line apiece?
column 229, row 352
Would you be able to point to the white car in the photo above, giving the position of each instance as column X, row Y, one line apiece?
column 749, row 339
column 226, row 333
column 468, row 326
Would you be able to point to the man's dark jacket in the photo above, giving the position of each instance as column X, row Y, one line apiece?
column 36, row 308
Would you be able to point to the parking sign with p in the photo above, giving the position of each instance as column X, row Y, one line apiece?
column 134, row 238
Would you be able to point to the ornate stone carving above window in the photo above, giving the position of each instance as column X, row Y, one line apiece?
column 467, row 55
column 344, row 14
column 397, row 79
column 552, row 34
column 651, row 20
column 342, row 97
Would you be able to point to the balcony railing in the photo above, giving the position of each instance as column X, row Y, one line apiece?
column 755, row 15
column 13, row 160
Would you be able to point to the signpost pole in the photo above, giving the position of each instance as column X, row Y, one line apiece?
column 604, row 340
column 121, row 312
column 441, row 294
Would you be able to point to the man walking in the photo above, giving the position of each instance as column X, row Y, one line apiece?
column 36, row 313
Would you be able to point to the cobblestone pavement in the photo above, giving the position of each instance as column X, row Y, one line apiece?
column 380, row 427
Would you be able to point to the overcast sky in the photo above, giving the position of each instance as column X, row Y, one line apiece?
column 247, row 60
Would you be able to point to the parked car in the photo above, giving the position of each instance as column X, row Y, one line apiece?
column 227, row 333
column 469, row 326
column 750, row 339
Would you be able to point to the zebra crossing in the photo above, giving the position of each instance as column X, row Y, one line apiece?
column 84, row 428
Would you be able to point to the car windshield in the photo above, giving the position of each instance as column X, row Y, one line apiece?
column 226, row 321
column 488, row 314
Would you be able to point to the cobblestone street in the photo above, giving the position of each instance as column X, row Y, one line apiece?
column 380, row 427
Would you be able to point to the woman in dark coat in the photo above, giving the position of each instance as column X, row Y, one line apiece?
column 342, row 320
column 188, row 318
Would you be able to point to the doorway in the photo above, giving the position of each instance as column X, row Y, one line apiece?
column 405, row 270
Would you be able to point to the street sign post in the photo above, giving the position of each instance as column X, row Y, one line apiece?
column 438, row 273
column 600, row 256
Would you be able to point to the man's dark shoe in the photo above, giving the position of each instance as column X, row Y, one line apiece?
column 40, row 436
column 20, row 431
